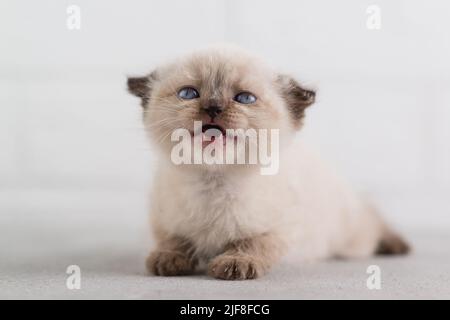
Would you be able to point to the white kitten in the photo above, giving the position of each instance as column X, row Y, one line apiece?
column 239, row 221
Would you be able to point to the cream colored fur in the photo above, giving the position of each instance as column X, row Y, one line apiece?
column 198, row 211
column 306, row 205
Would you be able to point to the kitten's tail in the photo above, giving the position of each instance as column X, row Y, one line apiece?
column 391, row 243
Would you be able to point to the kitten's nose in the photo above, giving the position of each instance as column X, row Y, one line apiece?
column 213, row 111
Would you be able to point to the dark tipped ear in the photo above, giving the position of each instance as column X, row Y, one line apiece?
column 297, row 98
column 141, row 86
column 138, row 86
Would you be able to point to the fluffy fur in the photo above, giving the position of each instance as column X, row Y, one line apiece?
column 238, row 221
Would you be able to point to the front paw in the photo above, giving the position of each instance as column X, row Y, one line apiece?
column 170, row 263
column 235, row 267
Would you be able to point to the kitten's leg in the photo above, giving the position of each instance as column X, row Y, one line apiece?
column 173, row 257
column 246, row 259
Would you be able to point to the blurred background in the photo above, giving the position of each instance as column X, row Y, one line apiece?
column 73, row 154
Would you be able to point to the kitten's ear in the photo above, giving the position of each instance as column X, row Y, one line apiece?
column 141, row 86
column 297, row 98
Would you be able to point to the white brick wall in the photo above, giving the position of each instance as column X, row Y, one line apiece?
column 67, row 122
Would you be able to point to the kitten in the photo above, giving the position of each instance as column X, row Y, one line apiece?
column 235, row 219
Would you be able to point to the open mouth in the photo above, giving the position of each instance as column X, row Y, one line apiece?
column 209, row 126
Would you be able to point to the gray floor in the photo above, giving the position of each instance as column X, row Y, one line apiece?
column 42, row 238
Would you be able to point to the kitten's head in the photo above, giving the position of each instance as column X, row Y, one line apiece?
column 225, row 88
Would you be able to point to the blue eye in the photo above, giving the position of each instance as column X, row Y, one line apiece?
column 188, row 93
column 245, row 98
